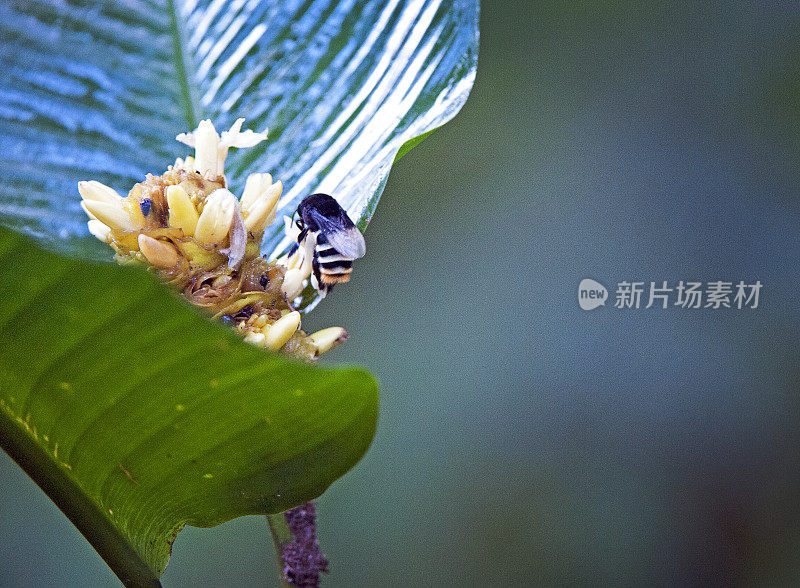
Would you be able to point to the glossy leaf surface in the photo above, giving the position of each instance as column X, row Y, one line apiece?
column 138, row 415
column 98, row 90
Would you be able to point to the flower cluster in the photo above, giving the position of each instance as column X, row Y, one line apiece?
column 189, row 228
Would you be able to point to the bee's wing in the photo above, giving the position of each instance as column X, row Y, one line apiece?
column 349, row 242
column 342, row 234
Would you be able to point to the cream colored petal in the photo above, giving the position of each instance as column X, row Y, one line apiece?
column 308, row 246
column 292, row 261
column 290, row 229
column 228, row 136
column 235, row 137
column 96, row 191
column 248, row 138
column 237, row 245
column 158, row 253
column 217, row 217
column 327, row 339
column 282, row 330
column 187, row 164
column 256, row 185
column 186, row 139
column 87, row 211
column 206, row 148
column 112, row 215
column 99, row 230
column 262, row 212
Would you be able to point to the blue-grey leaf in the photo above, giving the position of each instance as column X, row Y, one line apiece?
column 98, row 90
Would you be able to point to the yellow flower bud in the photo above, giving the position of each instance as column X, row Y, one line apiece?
column 282, row 330
column 182, row 213
column 158, row 253
column 327, row 339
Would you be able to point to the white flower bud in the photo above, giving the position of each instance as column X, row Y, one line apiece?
column 262, row 211
column 216, row 218
column 293, row 283
column 99, row 230
column 100, row 192
column 256, row 338
column 113, row 215
column 256, row 185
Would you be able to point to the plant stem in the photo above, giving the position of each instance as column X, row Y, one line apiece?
column 281, row 535
column 120, row 555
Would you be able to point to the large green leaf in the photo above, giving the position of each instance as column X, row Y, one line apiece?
column 160, row 418
column 99, row 89
column 138, row 415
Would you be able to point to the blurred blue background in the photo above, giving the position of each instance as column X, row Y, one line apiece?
column 523, row 440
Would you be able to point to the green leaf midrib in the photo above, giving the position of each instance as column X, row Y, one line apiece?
column 183, row 67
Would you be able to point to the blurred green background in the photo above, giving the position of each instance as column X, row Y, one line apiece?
column 522, row 440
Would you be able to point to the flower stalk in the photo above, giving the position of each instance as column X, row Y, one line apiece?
column 281, row 537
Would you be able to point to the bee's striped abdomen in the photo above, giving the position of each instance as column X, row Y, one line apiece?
column 330, row 266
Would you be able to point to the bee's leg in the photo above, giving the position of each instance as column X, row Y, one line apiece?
column 315, row 269
column 316, row 278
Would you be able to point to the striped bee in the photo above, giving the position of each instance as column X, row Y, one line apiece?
column 336, row 240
